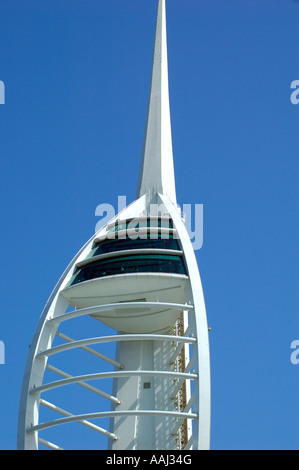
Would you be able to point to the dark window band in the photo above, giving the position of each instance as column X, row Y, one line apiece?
column 160, row 243
column 130, row 264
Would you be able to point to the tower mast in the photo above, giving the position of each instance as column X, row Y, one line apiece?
column 156, row 169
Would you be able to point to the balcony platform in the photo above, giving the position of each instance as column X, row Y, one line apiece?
column 133, row 287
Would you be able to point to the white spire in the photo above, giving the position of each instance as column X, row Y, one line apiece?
column 156, row 169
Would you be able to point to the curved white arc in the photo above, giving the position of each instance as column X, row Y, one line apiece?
column 202, row 435
column 117, row 338
column 118, row 306
column 34, row 370
column 105, row 375
column 106, row 414
column 45, row 333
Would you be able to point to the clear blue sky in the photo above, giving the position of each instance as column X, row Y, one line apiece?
column 77, row 76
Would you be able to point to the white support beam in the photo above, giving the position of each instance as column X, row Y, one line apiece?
column 84, row 385
column 91, row 351
column 48, row 444
column 189, row 444
column 86, row 423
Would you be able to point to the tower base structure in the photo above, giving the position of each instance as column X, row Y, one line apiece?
column 159, row 395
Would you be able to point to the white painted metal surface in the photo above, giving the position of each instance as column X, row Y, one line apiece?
column 158, row 391
column 157, row 169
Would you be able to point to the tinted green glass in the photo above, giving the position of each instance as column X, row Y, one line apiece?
column 130, row 264
column 140, row 243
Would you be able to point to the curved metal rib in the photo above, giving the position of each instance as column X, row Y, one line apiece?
column 108, row 375
column 109, row 414
column 113, row 306
column 109, row 339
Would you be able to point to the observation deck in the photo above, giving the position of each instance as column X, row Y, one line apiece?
column 138, row 260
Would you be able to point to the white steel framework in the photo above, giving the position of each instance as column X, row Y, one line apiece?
column 154, row 387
